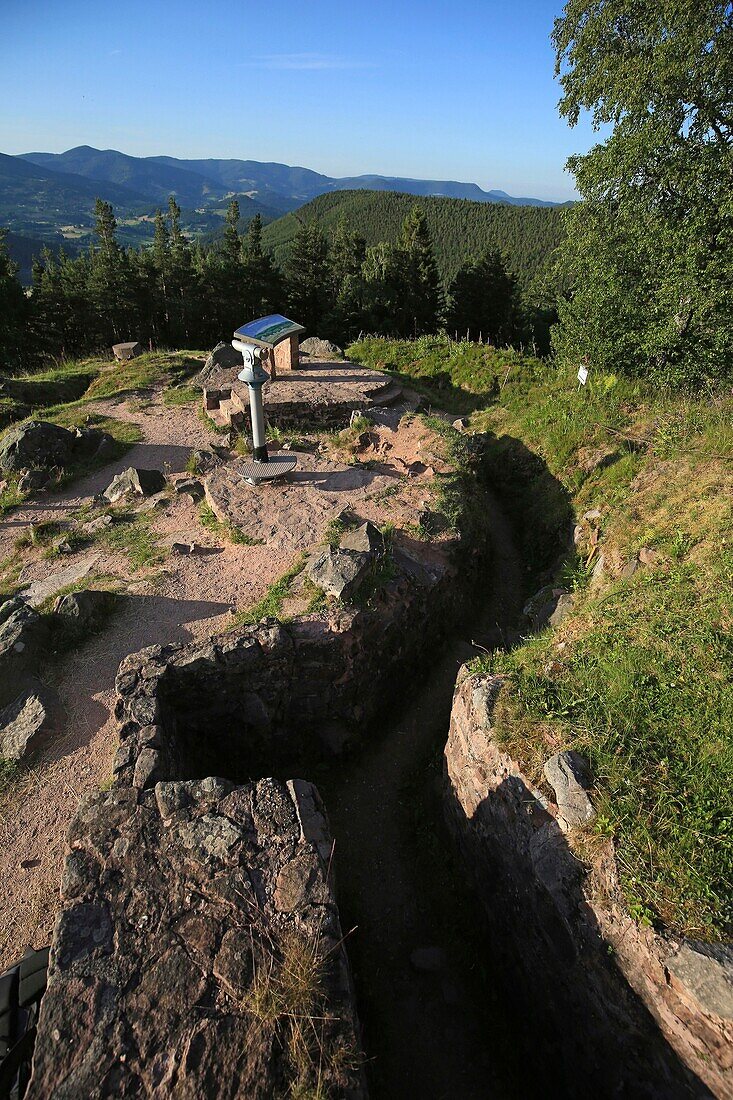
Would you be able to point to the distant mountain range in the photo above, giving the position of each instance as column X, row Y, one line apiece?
column 50, row 196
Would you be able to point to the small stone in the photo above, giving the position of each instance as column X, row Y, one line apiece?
column 171, row 797
column 339, row 573
column 460, row 424
column 630, row 568
column 31, row 480
column 23, row 723
column 367, row 539
column 145, row 766
column 647, row 556
column 98, row 524
column 706, row 970
column 192, row 488
column 563, row 607
column 569, row 776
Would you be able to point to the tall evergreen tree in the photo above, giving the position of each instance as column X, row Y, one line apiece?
column 425, row 299
column 110, row 289
column 483, row 300
column 13, row 311
column 262, row 286
column 307, row 275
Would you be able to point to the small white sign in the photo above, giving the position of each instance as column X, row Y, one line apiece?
column 583, row 375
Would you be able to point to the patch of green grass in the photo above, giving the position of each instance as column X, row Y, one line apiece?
column 645, row 693
column 181, row 395
column 271, row 604
column 38, row 534
column 225, row 530
column 9, row 772
column 131, row 535
column 11, row 496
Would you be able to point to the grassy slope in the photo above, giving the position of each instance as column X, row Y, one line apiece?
column 640, row 676
column 105, row 379
column 459, row 227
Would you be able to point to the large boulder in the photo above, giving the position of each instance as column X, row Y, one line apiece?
column 84, row 612
column 340, row 573
column 35, row 444
column 223, row 357
column 129, row 349
column 132, row 480
column 38, row 445
column 316, row 348
column 23, row 638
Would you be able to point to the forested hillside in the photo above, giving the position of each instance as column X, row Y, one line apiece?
column 459, row 228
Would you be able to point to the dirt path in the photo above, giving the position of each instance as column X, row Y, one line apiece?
column 437, row 1033
column 191, row 597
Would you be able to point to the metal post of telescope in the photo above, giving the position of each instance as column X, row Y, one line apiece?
column 261, row 467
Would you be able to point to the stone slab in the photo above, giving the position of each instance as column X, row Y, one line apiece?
column 40, row 590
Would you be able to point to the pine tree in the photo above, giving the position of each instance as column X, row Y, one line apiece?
column 110, row 288
column 425, row 299
column 183, row 290
column 483, row 301
column 13, row 311
column 261, row 283
column 307, row 276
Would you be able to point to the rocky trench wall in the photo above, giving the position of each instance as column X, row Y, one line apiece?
column 273, row 697
column 286, row 415
column 622, row 1010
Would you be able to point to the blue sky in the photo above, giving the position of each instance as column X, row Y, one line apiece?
column 460, row 90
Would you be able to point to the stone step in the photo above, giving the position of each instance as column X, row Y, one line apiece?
column 387, row 396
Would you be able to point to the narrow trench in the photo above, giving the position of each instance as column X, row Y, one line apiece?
column 445, row 1030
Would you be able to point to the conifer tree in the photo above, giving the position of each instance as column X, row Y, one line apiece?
column 307, row 274
column 483, row 300
column 421, row 273
column 13, row 311
column 110, row 287
column 262, row 288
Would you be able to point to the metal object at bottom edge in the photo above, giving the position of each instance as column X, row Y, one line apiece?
column 277, row 465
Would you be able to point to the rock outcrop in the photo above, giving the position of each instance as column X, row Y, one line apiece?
column 84, row 612
column 24, row 723
column 37, row 444
column 323, row 350
column 142, row 483
column 198, row 951
column 628, row 1011
column 23, row 638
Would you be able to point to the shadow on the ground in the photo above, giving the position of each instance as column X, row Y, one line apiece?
column 588, row 1027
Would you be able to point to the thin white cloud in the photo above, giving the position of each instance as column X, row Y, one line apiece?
column 309, row 62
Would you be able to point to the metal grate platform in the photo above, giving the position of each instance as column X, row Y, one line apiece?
column 279, row 465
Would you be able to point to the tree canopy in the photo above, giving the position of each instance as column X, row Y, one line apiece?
column 648, row 251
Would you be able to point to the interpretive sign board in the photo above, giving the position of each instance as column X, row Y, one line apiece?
column 266, row 332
